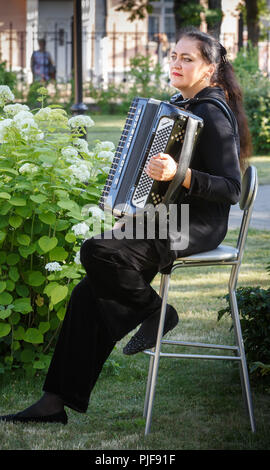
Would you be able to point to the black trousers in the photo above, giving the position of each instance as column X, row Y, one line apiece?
column 114, row 297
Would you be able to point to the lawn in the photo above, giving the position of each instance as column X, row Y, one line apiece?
column 198, row 404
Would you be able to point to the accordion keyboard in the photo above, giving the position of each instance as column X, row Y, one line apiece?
column 159, row 144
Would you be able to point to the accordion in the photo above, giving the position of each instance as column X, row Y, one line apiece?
column 151, row 127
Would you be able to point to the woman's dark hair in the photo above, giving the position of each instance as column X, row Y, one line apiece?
column 214, row 53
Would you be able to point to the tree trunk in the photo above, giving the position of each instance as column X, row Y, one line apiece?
column 214, row 28
column 252, row 11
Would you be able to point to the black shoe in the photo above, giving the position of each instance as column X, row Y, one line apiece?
column 60, row 417
column 146, row 336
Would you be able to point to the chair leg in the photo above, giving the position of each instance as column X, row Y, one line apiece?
column 151, row 361
column 156, row 356
column 243, row 364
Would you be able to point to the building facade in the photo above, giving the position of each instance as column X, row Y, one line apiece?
column 109, row 39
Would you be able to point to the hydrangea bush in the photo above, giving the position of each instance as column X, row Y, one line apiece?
column 49, row 189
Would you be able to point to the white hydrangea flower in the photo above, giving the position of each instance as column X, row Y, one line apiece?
column 80, row 121
column 80, row 229
column 13, row 109
column 107, row 155
column 80, row 171
column 81, row 144
column 51, row 115
column 106, row 145
column 69, row 152
column 43, row 114
column 96, row 212
column 106, row 169
column 77, row 258
column 22, row 115
column 53, row 267
column 5, row 94
column 28, row 168
column 4, row 127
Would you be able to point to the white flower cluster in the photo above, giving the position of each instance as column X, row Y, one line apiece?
column 81, row 145
column 80, row 121
column 96, row 212
column 5, row 94
column 69, row 153
column 51, row 115
column 80, row 229
column 77, row 258
column 25, row 123
column 80, row 171
column 5, row 126
column 106, row 145
column 53, row 267
column 28, row 168
column 12, row 109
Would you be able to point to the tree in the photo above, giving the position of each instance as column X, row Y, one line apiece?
column 252, row 18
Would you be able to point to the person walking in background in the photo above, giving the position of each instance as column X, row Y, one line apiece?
column 42, row 65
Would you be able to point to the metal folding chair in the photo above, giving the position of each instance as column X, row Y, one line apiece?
column 222, row 256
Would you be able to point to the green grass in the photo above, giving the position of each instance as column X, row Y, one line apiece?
column 198, row 404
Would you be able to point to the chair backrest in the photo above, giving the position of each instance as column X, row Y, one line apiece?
column 246, row 203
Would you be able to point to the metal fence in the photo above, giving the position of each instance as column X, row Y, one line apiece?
column 106, row 58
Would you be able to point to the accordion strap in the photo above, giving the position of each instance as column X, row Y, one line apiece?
column 222, row 105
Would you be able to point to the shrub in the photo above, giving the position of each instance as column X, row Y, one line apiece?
column 254, row 309
column 50, row 184
column 256, row 91
column 7, row 78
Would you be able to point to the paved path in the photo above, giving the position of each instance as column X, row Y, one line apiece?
column 261, row 212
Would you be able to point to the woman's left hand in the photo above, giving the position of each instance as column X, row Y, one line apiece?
column 161, row 167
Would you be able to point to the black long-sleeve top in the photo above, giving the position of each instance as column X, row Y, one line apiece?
column 215, row 182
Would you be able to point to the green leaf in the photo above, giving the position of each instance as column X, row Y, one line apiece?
column 27, row 355
column 49, row 288
column 9, row 170
column 33, row 335
column 24, row 211
column 44, row 326
column 18, row 333
column 15, row 221
column 26, row 251
column 69, row 205
column 22, row 305
column 59, row 293
column 48, row 218
column 13, row 259
column 17, row 201
column 2, row 236
column 39, row 198
column 61, row 313
column 22, row 290
column 2, row 286
column 5, row 298
column 58, row 254
column 14, row 274
column 5, row 313
column 5, row 195
column 23, row 239
column 3, row 257
column 61, row 225
column 47, row 243
column 70, row 237
column 35, row 278
column 4, row 329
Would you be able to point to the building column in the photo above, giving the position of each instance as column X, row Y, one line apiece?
column 31, row 42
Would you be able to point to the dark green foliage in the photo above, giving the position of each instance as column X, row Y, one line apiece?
column 254, row 309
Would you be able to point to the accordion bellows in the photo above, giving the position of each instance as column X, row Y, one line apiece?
column 151, row 127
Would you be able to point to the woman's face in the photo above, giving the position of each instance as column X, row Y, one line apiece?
column 189, row 73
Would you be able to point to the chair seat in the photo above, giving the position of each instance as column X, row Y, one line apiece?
column 221, row 253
